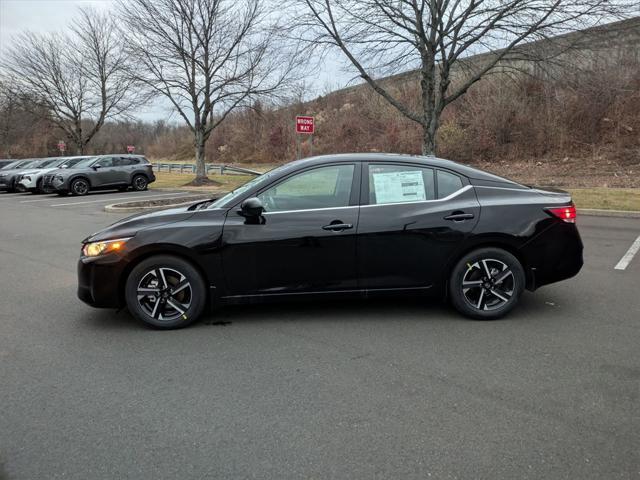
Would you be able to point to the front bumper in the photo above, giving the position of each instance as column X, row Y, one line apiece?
column 99, row 280
column 6, row 183
column 52, row 184
column 27, row 184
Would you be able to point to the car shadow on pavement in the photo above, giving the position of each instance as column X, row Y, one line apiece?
column 343, row 310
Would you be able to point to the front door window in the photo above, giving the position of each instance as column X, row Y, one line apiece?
column 324, row 187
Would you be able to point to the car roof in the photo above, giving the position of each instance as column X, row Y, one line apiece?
column 431, row 161
column 131, row 155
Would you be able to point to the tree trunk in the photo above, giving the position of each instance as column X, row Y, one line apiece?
column 428, row 140
column 201, row 171
column 79, row 145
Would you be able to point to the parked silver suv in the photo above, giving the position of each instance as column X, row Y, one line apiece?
column 101, row 173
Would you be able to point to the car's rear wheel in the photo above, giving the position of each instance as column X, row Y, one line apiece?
column 79, row 186
column 139, row 183
column 38, row 188
column 165, row 292
column 486, row 283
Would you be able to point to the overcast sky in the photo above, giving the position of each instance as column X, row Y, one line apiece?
column 51, row 15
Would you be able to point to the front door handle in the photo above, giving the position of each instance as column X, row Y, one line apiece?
column 337, row 227
column 459, row 216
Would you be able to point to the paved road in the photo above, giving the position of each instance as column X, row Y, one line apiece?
column 351, row 390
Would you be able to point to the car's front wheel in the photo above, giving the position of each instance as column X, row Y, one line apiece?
column 486, row 283
column 79, row 186
column 165, row 292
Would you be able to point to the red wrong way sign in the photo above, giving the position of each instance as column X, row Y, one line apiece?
column 304, row 124
column 62, row 146
column 131, row 148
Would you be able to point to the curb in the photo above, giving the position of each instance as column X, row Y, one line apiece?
column 608, row 213
column 123, row 208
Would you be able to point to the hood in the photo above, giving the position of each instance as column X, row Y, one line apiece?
column 39, row 171
column 128, row 227
column 13, row 171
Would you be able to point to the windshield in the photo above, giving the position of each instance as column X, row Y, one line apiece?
column 232, row 196
column 85, row 162
column 9, row 166
column 24, row 163
column 72, row 162
column 44, row 163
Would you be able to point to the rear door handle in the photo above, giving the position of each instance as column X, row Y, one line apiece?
column 338, row 227
column 459, row 216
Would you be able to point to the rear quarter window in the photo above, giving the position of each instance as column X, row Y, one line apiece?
column 448, row 183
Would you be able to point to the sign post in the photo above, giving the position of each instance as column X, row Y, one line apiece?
column 131, row 148
column 62, row 146
column 304, row 125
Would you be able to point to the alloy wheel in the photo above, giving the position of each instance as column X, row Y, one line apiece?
column 140, row 183
column 488, row 284
column 80, row 187
column 164, row 294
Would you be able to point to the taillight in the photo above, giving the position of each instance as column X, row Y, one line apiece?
column 566, row 214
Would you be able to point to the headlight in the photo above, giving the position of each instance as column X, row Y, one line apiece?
column 94, row 249
column 58, row 177
column 26, row 177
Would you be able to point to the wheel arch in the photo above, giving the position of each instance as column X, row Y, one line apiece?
column 77, row 176
column 138, row 173
column 502, row 243
column 161, row 249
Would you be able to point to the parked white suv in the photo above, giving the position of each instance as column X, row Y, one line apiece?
column 31, row 180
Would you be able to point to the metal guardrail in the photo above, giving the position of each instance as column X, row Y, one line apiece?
column 210, row 167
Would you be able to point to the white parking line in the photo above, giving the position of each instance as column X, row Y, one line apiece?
column 48, row 199
column 627, row 257
column 119, row 198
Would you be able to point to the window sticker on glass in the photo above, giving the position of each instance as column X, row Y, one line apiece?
column 395, row 187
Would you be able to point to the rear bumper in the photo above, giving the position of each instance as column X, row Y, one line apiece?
column 554, row 255
column 99, row 281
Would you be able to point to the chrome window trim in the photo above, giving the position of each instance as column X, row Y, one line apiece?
column 454, row 194
column 506, row 188
column 310, row 209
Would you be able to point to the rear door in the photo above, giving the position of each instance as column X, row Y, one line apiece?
column 412, row 219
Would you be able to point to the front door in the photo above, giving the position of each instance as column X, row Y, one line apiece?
column 105, row 174
column 412, row 220
column 305, row 241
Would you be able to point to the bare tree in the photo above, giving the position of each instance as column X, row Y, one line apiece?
column 383, row 37
column 206, row 57
column 80, row 78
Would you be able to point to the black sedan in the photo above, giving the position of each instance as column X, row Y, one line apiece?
column 335, row 226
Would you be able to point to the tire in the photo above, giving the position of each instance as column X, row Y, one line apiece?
column 482, row 296
column 79, row 186
column 159, row 308
column 38, row 188
column 139, row 183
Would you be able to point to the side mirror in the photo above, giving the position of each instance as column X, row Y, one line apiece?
column 251, row 208
column 95, row 167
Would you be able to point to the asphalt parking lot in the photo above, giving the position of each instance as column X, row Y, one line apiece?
column 391, row 389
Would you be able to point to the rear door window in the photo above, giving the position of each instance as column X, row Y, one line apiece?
column 400, row 184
